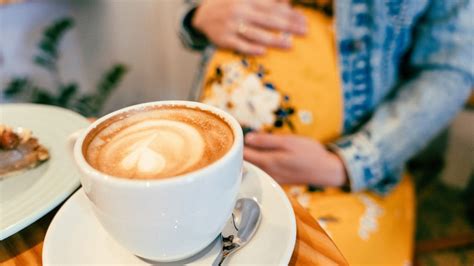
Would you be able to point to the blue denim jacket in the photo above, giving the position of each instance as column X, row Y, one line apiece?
column 407, row 67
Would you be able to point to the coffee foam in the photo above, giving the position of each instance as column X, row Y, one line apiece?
column 157, row 143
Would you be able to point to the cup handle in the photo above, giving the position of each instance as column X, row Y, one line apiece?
column 71, row 140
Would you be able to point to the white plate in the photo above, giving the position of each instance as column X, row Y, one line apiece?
column 26, row 197
column 75, row 236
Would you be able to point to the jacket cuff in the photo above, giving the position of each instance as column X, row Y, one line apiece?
column 363, row 163
column 190, row 37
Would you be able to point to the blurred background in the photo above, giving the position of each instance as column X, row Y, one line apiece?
column 140, row 34
column 88, row 38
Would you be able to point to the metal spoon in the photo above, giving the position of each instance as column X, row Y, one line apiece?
column 243, row 225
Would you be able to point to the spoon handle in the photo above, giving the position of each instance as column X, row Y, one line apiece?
column 228, row 247
column 220, row 258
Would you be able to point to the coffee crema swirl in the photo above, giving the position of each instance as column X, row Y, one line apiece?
column 157, row 142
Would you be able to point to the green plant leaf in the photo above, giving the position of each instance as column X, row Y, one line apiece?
column 66, row 94
column 112, row 78
column 44, row 62
column 17, row 86
column 57, row 29
column 42, row 96
column 90, row 105
column 48, row 47
column 49, row 43
column 87, row 105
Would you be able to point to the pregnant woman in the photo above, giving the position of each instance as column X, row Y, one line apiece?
column 337, row 96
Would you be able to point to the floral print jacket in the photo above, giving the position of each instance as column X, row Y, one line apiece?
column 407, row 67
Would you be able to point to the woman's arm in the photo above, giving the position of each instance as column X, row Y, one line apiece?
column 442, row 58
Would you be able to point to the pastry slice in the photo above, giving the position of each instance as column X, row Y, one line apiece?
column 19, row 151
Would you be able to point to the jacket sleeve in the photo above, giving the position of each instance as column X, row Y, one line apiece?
column 189, row 36
column 442, row 60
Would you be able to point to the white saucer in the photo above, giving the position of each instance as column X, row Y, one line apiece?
column 76, row 237
column 27, row 196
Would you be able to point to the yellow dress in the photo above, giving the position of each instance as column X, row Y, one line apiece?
column 299, row 91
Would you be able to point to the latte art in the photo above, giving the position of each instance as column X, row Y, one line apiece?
column 158, row 143
column 159, row 146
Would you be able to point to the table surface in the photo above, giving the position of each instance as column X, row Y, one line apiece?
column 313, row 246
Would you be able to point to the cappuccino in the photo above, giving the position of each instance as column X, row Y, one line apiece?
column 157, row 142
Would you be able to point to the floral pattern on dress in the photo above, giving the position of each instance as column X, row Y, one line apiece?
column 241, row 89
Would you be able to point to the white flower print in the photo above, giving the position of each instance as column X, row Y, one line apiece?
column 245, row 97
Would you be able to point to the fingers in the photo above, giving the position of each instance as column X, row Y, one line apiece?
column 280, row 24
column 257, row 157
column 243, row 46
column 270, row 162
column 266, row 38
column 278, row 17
column 266, row 141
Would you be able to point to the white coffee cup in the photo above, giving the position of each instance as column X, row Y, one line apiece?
column 165, row 219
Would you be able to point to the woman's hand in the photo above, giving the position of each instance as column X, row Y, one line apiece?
column 248, row 26
column 294, row 160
